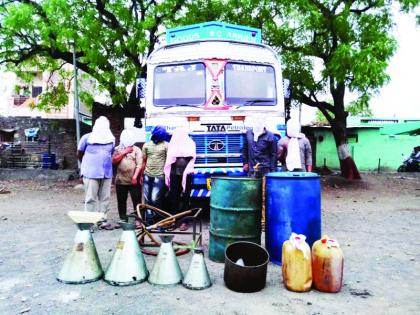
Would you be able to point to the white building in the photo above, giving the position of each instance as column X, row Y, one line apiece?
column 17, row 96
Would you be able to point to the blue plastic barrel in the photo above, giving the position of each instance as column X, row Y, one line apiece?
column 46, row 160
column 293, row 204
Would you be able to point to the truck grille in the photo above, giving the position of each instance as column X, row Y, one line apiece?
column 218, row 148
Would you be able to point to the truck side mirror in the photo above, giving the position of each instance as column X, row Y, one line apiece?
column 287, row 88
column 141, row 87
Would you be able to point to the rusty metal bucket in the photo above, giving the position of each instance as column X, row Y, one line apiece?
column 249, row 276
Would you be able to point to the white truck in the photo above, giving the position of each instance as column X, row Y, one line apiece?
column 212, row 78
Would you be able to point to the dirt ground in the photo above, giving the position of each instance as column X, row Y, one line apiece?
column 375, row 220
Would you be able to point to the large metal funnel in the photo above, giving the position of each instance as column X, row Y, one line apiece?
column 166, row 270
column 127, row 266
column 197, row 276
column 82, row 264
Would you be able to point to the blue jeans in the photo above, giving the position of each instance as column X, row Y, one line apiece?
column 154, row 190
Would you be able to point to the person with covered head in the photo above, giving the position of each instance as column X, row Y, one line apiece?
column 128, row 159
column 95, row 153
column 154, row 157
column 179, row 168
column 294, row 150
column 259, row 152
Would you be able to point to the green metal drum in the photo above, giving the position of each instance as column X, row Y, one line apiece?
column 235, row 213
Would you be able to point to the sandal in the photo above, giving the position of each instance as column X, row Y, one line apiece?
column 138, row 225
column 106, row 226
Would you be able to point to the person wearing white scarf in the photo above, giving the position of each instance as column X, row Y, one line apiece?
column 294, row 150
column 293, row 160
column 259, row 152
column 258, row 126
column 128, row 158
column 127, row 138
column 95, row 154
column 101, row 133
column 178, row 169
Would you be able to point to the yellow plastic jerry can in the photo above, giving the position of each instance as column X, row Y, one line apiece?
column 296, row 264
column 327, row 265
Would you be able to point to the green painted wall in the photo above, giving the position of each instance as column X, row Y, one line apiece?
column 370, row 146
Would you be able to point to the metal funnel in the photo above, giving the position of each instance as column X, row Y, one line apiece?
column 197, row 276
column 166, row 270
column 127, row 266
column 82, row 264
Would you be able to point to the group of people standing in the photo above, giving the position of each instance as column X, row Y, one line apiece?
column 261, row 150
column 164, row 166
column 164, row 163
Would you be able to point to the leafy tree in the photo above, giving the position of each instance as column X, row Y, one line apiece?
column 320, row 119
column 112, row 40
column 328, row 48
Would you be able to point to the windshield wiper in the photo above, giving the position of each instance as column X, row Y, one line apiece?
column 254, row 101
column 182, row 105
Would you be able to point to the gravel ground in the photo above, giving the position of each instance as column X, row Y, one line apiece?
column 376, row 221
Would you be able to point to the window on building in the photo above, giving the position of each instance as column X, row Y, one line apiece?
column 36, row 90
column 352, row 138
column 6, row 135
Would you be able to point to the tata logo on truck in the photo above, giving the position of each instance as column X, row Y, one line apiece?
column 216, row 128
column 224, row 128
column 216, row 145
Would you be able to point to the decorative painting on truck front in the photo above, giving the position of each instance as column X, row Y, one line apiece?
column 216, row 99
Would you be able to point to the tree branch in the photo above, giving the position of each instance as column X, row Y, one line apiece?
column 54, row 70
column 324, row 10
column 5, row 3
column 149, row 4
column 326, row 114
column 134, row 10
column 324, row 107
column 310, row 102
column 112, row 21
column 158, row 21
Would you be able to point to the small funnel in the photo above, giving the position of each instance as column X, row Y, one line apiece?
column 127, row 266
column 82, row 264
column 166, row 270
column 197, row 276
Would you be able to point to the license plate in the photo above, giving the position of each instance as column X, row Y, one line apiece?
column 208, row 182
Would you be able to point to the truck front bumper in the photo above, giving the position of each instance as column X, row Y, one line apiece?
column 202, row 176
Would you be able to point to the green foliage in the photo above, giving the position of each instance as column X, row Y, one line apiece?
column 360, row 107
column 112, row 39
column 320, row 119
column 54, row 98
column 407, row 5
column 327, row 48
column 87, row 99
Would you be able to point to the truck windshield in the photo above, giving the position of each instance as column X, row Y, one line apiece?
column 246, row 83
column 180, row 84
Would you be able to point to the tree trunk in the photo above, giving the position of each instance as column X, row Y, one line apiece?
column 348, row 167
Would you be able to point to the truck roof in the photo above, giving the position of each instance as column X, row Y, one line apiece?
column 213, row 30
column 213, row 48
